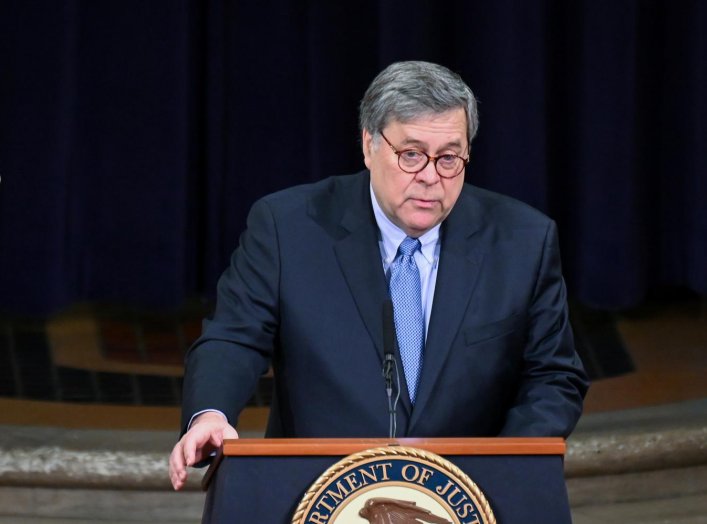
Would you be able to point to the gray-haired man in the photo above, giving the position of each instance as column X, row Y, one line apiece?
column 485, row 347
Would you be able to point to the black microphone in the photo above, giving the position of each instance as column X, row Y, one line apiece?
column 389, row 363
column 388, row 344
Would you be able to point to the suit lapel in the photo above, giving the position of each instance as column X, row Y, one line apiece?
column 359, row 258
column 459, row 267
column 363, row 271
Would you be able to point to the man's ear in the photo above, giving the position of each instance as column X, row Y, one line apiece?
column 367, row 147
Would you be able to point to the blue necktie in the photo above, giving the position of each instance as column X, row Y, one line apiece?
column 407, row 311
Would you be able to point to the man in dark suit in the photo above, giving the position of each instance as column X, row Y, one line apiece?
column 479, row 302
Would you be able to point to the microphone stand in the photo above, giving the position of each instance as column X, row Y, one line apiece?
column 389, row 365
column 390, row 345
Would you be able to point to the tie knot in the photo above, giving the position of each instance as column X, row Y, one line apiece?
column 409, row 246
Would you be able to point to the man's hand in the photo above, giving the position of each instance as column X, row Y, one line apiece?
column 206, row 434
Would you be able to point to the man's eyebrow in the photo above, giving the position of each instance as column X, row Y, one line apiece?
column 423, row 145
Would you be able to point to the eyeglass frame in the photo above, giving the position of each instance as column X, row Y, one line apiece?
column 434, row 159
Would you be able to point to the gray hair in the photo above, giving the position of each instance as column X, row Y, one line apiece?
column 404, row 91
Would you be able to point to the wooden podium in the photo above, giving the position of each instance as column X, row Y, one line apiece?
column 263, row 480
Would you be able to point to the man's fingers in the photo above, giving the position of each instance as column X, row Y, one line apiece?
column 197, row 444
column 230, row 432
column 176, row 459
column 189, row 448
column 227, row 432
column 177, row 469
column 216, row 439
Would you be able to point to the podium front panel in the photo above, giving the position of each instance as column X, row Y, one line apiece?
column 525, row 489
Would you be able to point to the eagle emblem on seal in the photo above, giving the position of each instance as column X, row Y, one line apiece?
column 393, row 511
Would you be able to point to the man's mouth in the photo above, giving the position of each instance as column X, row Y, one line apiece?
column 422, row 202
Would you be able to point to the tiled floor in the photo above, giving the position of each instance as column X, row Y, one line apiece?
column 34, row 366
column 668, row 344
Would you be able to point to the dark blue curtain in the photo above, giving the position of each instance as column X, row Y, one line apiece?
column 135, row 135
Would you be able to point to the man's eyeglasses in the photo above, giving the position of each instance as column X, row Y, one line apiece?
column 413, row 161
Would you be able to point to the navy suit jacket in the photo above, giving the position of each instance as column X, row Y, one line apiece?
column 304, row 291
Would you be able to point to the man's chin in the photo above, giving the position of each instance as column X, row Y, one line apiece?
column 417, row 228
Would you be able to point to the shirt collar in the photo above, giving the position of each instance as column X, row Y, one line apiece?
column 392, row 235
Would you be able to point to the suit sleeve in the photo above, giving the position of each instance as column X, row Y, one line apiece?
column 224, row 365
column 553, row 384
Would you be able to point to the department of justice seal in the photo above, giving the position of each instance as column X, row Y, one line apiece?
column 393, row 485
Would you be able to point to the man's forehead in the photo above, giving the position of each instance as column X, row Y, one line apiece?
column 427, row 116
column 416, row 130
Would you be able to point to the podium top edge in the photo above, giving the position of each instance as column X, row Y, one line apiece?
column 440, row 446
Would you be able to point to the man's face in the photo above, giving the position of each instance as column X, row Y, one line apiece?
column 416, row 203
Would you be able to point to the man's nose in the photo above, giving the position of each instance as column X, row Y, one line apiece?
column 429, row 174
